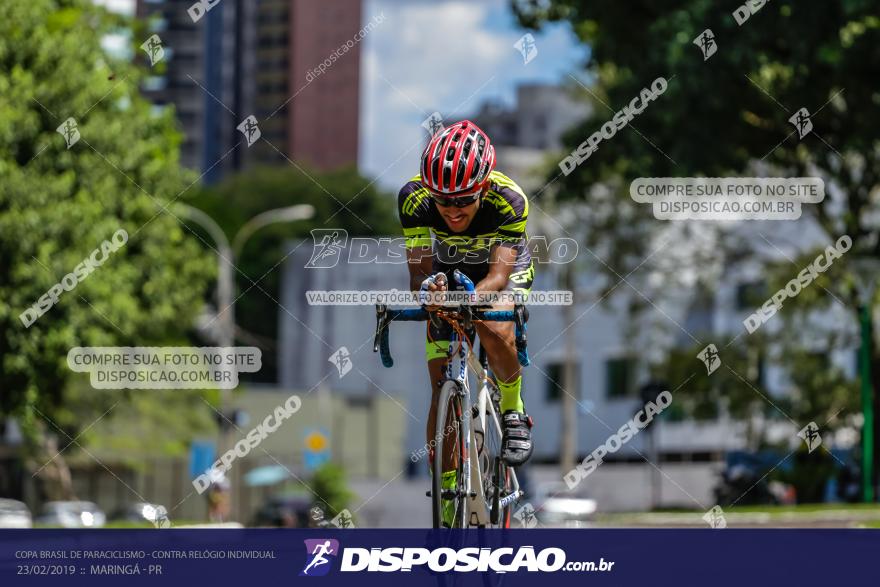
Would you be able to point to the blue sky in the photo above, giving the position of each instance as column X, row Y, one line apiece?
column 448, row 56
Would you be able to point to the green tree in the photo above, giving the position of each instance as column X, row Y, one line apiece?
column 59, row 203
column 330, row 490
column 729, row 116
column 342, row 199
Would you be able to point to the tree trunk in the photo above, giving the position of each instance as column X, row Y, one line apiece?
column 52, row 470
column 568, row 422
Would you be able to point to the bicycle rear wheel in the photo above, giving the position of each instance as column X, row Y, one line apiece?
column 498, row 483
column 500, row 516
column 449, row 436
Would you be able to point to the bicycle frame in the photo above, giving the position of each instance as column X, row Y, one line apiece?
column 485, row 409
column 479, row 510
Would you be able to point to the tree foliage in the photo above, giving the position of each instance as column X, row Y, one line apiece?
column 330, row 490
column 58, row 204
column 719, row 116
column 729, row 116
column 342, row 199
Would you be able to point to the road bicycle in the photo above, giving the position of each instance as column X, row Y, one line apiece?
column 487, row 488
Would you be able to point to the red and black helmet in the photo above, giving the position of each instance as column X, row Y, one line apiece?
column 458, row 159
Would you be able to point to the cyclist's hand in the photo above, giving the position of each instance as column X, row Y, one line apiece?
column 434, row 283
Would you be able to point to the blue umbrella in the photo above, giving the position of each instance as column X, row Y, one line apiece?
column 268, row 475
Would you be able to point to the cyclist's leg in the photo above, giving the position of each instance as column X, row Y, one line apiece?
column 435, row 371
column 436, row 347
column 500, row 342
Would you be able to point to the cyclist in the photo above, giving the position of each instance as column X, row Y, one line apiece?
column 478, row 219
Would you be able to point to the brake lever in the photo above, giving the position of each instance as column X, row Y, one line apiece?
column 381, row 322
column 520, row 317
column 467, row 317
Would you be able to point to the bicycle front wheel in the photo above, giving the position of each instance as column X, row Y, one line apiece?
column 449, row 503
column 498, row 483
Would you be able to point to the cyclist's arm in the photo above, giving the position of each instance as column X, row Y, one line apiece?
column 420, row 263
column 413, row 208
column 501, row 262
column 513, row 215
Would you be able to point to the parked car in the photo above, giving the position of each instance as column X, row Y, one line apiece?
column 141, row 512
column 285, row 511
column 557, row 504
column 746, row 479
column 71, row 514
column 14, row 514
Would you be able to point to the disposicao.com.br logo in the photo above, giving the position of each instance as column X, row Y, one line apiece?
column 318, row 556
column 441, row 560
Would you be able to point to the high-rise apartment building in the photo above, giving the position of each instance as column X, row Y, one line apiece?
column 323, row 118
column 230, row 59
column 525, row 133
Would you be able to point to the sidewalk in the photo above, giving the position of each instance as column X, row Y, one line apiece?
column 772, row 517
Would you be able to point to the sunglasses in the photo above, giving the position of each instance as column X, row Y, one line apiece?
column 457, row 201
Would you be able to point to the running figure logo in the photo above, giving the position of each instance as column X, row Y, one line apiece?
column 342, row 360
column 715, row 518
column 433, row 124
column 710, row 358
column 706, row 42
column 327, row 247
column 154, row 50
column 527, row 516
column 343, row 520
column 527, row 47
column 318, row 551
column 810, row 435
column 250, row 130
column 801, row 121
column 69, row 130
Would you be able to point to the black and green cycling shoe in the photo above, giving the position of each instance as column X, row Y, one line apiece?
column 516, row 438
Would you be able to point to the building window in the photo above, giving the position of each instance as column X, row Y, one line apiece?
column 540, row 124
column 761, row 371
column 620, row 377
column 750, row 294
column 556, row 381
column 155, row 83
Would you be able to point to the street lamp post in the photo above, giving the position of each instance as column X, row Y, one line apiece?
column 226, row 256
column 224, row 265
column 867, row 405
column 288, row 214
column 566, row 275
column 866, row 270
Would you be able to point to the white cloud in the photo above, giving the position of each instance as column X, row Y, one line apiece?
column 426, row 57
column 445, row 56
column 124, row 7
column 437, row 53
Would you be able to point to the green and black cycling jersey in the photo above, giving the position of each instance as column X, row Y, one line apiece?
column 499, row 221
